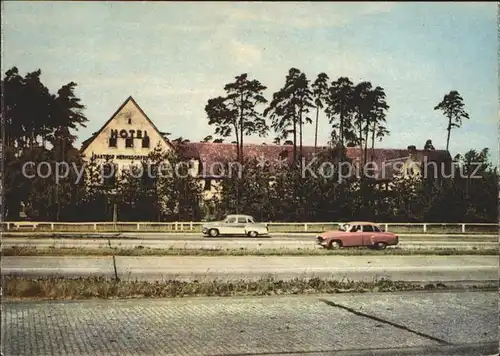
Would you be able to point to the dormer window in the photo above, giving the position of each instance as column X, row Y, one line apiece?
column 112, row 141
column 129, row 142
column 145, row 142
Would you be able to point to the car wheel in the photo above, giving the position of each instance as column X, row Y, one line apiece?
column 380, row 245
column 334, row 245
column 213, row 232
column 252, row 233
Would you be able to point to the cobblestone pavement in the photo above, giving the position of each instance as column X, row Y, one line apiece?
column 312, row 325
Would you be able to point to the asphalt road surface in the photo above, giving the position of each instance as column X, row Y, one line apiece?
column 365, row 268
column 198, row 235
column 392, row 324
column 193, row 242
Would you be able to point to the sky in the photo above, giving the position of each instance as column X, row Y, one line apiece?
column 174, row 56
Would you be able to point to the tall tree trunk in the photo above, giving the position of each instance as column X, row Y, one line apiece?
column 341, row 134
column 341, row 128
column 241, row 128
column 360, row 139
column 294, row 130
column 316, row 130
column 58, row 203
column 294, row 141
column 373, row 140
column 238, row 147
column 366, row 144
column 300, row 134
column 449, row 131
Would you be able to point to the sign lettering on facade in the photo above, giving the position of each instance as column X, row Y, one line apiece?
column 115, row 133
column 131, row 157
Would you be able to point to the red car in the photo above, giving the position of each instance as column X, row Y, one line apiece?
column 358, row 233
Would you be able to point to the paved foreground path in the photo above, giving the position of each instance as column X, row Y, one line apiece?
column 366, row 268
column 399, row 324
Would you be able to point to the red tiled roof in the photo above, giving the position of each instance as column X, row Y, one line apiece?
column 211, row 153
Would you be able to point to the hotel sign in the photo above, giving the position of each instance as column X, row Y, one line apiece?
column 131, row 157
column 115, row 133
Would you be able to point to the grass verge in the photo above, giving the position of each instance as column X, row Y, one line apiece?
column 144, row 251
column 56, row 288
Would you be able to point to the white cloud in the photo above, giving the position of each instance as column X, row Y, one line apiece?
column 490, row 5
column 246, row 55
column 303, row 14
column 152, row 86
column 372, row 65
column 230, row 50
column 264, row 14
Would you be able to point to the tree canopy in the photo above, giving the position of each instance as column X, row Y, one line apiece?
column 40, row 126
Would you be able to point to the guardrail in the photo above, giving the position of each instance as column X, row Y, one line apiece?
column 191, row 226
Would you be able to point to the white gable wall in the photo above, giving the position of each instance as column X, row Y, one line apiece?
column 138, row 122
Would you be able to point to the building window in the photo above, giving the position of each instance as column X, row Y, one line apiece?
column 112, row 141
column 109, row 174
column 130, row 121
column 129, row 142
column 149, row 175
column 145, row 142
column 208, row 184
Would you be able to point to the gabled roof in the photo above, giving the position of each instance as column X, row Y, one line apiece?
column 88, row 141
column 209, row 153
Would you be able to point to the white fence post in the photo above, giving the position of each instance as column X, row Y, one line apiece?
column 190, row 225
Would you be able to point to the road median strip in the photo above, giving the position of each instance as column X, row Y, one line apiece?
column 146, row 251
column 58, row 288
column 146, row 234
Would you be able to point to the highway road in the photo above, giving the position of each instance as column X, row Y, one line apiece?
column 193, row 242
column 361, row 268
column 198, row 235
column 388, row 324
